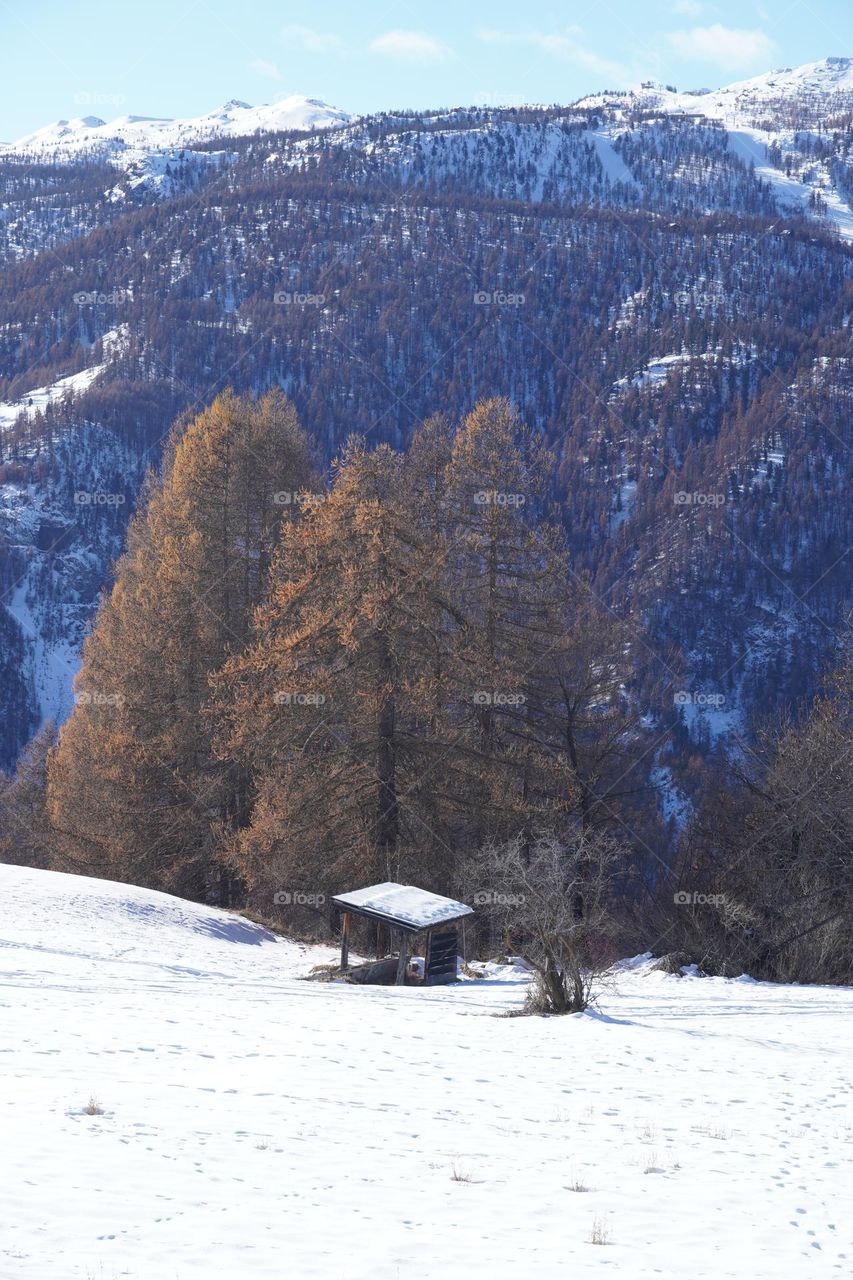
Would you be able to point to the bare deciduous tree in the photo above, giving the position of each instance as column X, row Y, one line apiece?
column 531, row 890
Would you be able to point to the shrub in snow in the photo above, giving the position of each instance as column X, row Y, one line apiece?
column 552, row 896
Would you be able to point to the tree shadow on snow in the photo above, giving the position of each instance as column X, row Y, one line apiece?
column 234, row 931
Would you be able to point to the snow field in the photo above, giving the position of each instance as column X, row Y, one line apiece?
column 248, row 1123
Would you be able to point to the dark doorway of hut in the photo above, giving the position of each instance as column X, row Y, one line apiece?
column 405, row 920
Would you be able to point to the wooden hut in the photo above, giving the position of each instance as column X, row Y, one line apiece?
column 411, row 914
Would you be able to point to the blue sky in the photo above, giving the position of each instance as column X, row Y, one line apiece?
column 66, row 58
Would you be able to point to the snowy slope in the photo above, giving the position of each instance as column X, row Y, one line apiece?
column 39, row 398
column 822, row 86
column 785, row 123
column 256, row 1125
column 783, row 110
column 61, row 530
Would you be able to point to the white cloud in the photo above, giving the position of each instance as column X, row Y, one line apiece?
column 409, row 46
column 692, row 8
column 565, row 44
column 726, row 47
column 264, row 68
column 312, row 41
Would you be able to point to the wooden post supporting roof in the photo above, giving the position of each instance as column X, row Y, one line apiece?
column 345, row 939
column 403, row 962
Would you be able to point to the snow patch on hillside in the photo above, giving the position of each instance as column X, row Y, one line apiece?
column 61, row 532
column 53, row 662
column 74, row 384
column 614, row 166
column 750, row 146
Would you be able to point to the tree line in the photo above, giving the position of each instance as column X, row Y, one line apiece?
column 297, row 686
column 301, row 684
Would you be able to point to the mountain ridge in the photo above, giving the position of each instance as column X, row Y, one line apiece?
column 684, row 331
column 87, row 135
column 832, row 74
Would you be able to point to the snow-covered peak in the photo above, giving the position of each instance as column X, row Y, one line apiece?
column 61, row 132
column 89, row 135
column 238, row 118
column 819, row 89
column 815, row 86
column 828, row 75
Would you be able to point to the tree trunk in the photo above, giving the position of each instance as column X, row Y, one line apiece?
column 388, row 814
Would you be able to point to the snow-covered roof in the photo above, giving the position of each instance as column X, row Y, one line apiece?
column 403, row 904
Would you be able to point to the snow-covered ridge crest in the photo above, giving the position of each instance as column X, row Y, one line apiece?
column 818, row 84
column 90, row 135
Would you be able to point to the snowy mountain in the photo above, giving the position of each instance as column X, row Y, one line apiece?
column 173, row 1049
column 144, row 145
column 821, row 89
column 783, row 137
column 89, row 135
column 687, row 311
column 791, row 125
